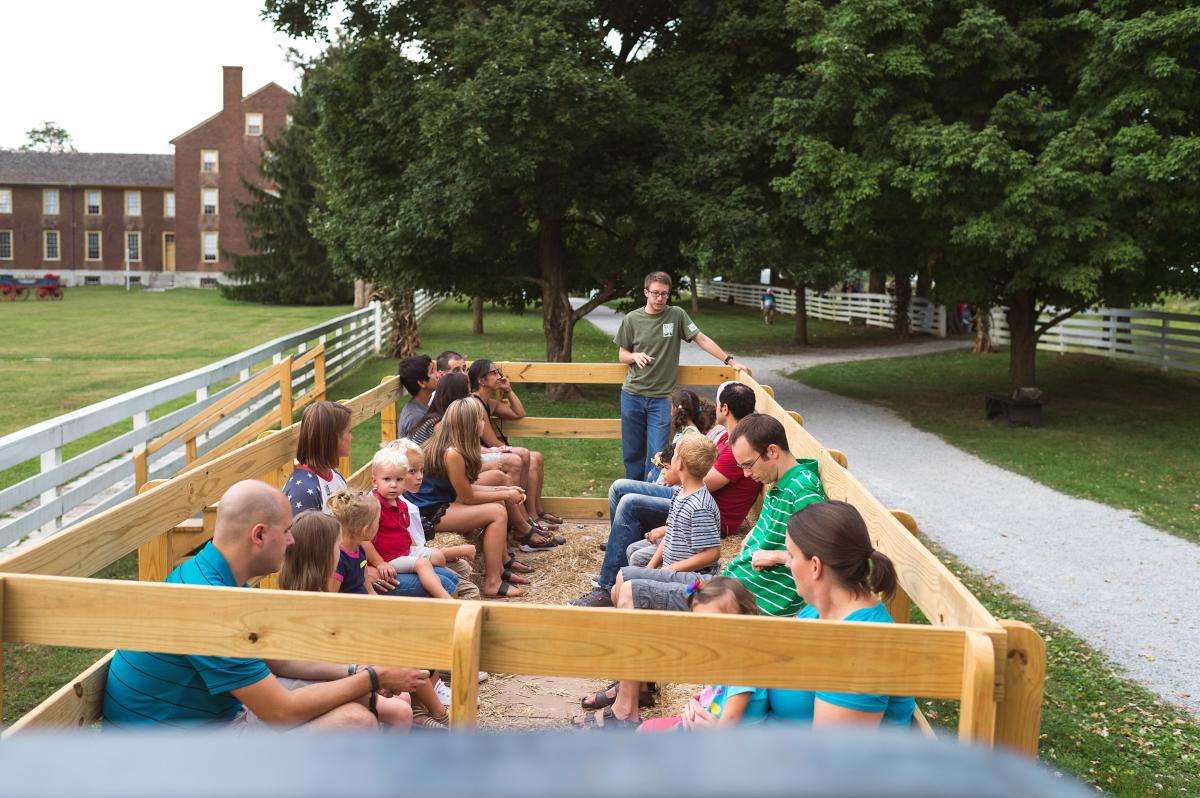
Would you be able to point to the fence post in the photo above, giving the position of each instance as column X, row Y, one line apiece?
column 1019, row 715
column 389, row 420
column 1, row 641
column 154, row 556
column 464, row 666
column 977, row 710
column 941, row 321
column 49, row 461
column 285, row 393
column 1164, row 336
column 378, row 308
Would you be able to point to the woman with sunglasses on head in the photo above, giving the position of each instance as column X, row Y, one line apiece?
column 487, row 379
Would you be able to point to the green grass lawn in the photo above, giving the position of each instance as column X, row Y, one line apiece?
column 100, row 342
column 1115, row 432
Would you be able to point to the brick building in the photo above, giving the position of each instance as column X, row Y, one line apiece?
column 80, row 215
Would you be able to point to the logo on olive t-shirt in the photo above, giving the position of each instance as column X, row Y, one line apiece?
column 668, row 330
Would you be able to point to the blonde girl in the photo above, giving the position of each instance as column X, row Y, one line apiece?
column 358, row 514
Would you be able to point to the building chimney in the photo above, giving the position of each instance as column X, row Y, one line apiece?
column 232, row 79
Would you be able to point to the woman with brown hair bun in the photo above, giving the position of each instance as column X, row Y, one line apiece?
column 840, row 576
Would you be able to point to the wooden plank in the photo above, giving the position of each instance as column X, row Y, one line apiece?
column 86, row 547
column 239, row 439
column 1, row 641
column 605, row 373
column 977, row 709
column 1019, row 716
column 76, row 705
column 360, row 479
column 922, row 724
column 154, row 559
column 217, row 412
column 687, row 648
column 285, row 392
column 389, row 421
column 598, row 428
column 900, row 605
column 464, row 689
column 367, row 405
column 572, row 507
column 185, row 538
column 799, row 419
column 839, row 458
column 227, row 621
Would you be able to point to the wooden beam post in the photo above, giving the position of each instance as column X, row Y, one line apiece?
column 389, row 420
column 141, row 470
column 154, row 556
column 1019, row 715
column 285, row 392
column 900, row 605
column 977, row 710
column 319, row 375
column 464, row 689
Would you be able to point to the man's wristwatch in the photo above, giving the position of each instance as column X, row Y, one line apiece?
column 728, row 357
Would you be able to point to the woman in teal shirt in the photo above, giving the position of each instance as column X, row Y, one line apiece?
column 838, row 574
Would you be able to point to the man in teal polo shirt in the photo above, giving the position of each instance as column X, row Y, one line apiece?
column 253, row 528
column 648, row 342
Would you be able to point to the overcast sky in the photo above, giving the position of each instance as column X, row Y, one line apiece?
column 130, row 75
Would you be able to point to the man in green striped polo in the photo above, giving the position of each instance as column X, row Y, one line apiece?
column 760, row 447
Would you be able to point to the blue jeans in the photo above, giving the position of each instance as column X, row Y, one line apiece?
column 410, row 585
column 635, row 508
column 645, row 422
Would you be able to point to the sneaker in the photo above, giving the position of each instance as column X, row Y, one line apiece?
column 423, row 720
column 596, row 580
column 483, row 676
column 597, row 598
column 442, row 690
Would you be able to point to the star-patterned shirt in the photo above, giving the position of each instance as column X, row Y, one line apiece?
column 308, row 490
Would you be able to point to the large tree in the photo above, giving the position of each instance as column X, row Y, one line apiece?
column 1041, row 156
column 49, row 137
column 288, row 265
column 479, row 147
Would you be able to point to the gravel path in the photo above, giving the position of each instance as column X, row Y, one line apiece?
column 1120, row 584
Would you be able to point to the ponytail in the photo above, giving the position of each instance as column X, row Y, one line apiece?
column 836, row 533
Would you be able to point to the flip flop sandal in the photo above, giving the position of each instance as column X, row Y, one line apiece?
column 647, row 697
column 607, row 722
column 502, row 593
column 516, row 566
column 507, row 577
column 550, row 518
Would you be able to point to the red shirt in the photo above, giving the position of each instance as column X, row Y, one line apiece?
column 735, row 499
column 393, row 538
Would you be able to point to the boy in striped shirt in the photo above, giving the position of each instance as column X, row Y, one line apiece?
column 693, row 540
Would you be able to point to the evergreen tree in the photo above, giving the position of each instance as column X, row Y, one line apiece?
column 289, row 266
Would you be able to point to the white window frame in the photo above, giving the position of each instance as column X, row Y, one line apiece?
column 204, row 239
column 46, row 245
column 216, row 161
column 99, row 245
column 6, row 200
column 133, row 195
column 168, row 204
column 216, row 207
column 133, row 235
column 258, row 117
column 47, row 193
column 11, row 244
column 99, row 202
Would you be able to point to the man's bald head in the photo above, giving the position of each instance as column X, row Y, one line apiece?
column 246, row 504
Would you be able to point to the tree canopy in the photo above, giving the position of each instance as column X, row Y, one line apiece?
column 49, row 137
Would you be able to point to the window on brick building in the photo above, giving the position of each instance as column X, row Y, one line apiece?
column 133, row 247
column 50, row 244
column 208, row 201
column 253, row 124
column 6, row 245
column 5, row 200
column 169, row 204
column 92, row 203
column 208, row 160
column 210, row 247
column 133, row 203
column 50, row 201
column 92, row 245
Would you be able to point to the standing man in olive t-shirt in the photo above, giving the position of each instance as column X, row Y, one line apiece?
column 649, row 340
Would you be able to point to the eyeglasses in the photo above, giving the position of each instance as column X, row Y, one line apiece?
column 659, row 294
column 748, row 466
column 497, row 372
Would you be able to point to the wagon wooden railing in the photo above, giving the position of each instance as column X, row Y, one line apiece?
column 994, row 668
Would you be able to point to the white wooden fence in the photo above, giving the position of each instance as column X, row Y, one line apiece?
column 1167, row 340
column 102, row 476
column 875, row 310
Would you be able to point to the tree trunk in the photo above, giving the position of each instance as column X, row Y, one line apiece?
column 901, row 324
column 1022, row 334
column 362, row 294
column 800, row 336
column 877, row 283
column 405, row 338
column 477, row 315
column 558, row 320
column 695, row 297
column 982, row 321
column 925, row 279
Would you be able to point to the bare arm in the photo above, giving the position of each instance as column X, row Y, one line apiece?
column 513, row 409
column 714, row 480
column 656, row 558
column 456, row 470
column 310, row 671
column 709, row 345
column 639, row 359
column 698, row 561
column 277, row 705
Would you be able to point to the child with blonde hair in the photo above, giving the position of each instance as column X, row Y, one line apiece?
column 311, row 563
column 400, row 546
